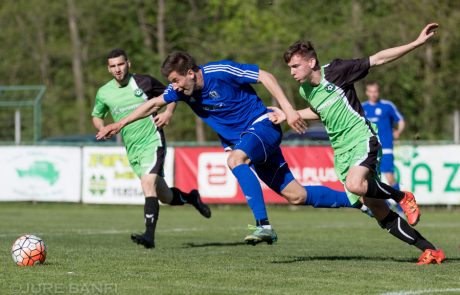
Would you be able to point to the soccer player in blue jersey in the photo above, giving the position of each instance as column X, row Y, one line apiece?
column 220, row 93
column 386, row 116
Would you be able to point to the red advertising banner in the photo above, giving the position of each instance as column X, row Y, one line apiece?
column 205, row 168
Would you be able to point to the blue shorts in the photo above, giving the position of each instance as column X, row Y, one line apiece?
column 387, row 163
column 261, row 143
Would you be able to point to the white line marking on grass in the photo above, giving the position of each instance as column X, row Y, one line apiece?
column 426, row 291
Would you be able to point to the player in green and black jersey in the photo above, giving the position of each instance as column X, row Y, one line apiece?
column 329, row 91
column 144, row 140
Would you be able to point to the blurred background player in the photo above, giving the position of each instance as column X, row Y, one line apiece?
column 386, row 116
column 330, row 93
column 144, row 140
column 220, row 93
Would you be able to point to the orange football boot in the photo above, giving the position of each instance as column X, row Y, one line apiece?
column 410, row 208
column 431, row 256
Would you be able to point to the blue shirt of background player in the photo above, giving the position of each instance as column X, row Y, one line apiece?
column 384, row 114
column 227, row 102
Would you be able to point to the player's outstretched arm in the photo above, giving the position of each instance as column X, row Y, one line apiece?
column 144, row 110
column 278, row 116
column 272, row 85
column 308, row 114
column 98, row 123
column 163, row 118
column 391, row 54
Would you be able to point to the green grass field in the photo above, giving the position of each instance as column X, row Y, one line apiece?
column 319, row 252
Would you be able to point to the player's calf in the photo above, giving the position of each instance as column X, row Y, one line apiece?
column 193, row 198
column 399, row 228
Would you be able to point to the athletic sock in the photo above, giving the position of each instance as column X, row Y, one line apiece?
column 399, row 228
column 379, row 190
column 252, row 190
column 262, row 222
column 179, row 197
column 324, row 197
column 151, row 211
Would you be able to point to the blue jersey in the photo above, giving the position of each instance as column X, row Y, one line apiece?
column 227, row 102
column 384, row 114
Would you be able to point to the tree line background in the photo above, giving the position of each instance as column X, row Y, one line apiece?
column 62, row 44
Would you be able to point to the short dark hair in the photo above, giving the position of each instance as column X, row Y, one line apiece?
column 372, row 83
column 302, row 48
column 116, row 53
column 179, row 62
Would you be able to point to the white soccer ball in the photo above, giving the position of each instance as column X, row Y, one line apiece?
column 28, row 250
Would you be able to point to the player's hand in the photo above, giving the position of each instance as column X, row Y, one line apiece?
column 427, row 32
column 294, row 120
column 396, row 134
column 108, row 131
column 162, row 119
column 277, row 116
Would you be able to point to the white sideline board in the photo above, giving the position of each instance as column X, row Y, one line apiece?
column 109, row 179
column 432, row 173
column 36, row 173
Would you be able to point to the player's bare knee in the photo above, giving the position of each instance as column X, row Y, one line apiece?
column 294, row 198
column 148, row 185
column 355, row 186
column 297, row 200
column 234, row 160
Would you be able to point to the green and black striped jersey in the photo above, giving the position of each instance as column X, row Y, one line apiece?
column 121, row 101
column 337, row 104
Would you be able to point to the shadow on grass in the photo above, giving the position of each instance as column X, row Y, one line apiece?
column 351, row 258
column 215, row 244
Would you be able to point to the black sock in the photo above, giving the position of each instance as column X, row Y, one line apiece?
column 179, row 197
column 151, row 211
column 261, row 222
column 399, row 228
column 379, row 190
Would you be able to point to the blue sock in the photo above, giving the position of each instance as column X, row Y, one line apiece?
column 396, row 186
column 324, row 197
column 252, row 191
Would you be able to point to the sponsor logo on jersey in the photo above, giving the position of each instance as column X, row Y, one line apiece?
column 120, row 110
column 378, row 111
column 138, row 92
column 213, row 94
column 329, row 87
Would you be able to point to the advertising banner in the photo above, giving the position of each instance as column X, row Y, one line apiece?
column 431, row 172
column 40, row 174
column 109, row 179
column 206, row 169
column 103, row 174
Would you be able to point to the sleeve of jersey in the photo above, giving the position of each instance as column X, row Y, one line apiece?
column 346, row 72
column 170, row 95
column 395, row 114
column 156, row 88
column 240, row 73
column 100, row 109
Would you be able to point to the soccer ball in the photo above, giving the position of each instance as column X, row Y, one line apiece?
column 28, row 250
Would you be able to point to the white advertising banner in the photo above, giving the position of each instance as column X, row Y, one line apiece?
column 109, row 179
column 40, row 174
column 431, row 172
